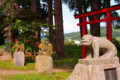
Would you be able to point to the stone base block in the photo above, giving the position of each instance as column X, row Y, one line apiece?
column 19, row 59
column 6, row 57
column 44, row 64
column 94, row 69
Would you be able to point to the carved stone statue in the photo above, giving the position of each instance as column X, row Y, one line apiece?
column 7, row 30
column 19, row 47
column 45, row 49
column 98, row 47
column 7, row 34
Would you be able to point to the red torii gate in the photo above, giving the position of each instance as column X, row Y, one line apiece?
column 108, row 19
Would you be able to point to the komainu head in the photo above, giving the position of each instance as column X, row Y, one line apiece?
column 87, row 40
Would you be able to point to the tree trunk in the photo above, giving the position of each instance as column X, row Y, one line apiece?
column 38, row 17
column 33, row 6
column 15, row 35
column 95, row 28
column 17, row 8
column 80, row 12
column 2, row 37
column 59, row 35
column 50, row 22
column 9, row 37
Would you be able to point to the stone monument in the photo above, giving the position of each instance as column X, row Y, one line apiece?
column 5, row 54
column 101, row 62
column 19, row 47
column 45, row 49
column 44, row 61
column 19, row 59
column 18, row 55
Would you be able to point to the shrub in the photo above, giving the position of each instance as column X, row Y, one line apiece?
column 117, row 44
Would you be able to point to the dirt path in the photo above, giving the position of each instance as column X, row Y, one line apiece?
column 9, row 72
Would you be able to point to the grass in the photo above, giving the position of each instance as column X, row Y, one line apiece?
column 8, row 65
column 59, row 63
column 39, row 76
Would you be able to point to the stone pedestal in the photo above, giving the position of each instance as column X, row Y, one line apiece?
column 95, row 69
column 44, row 64
column 19, row 59
column 6, row 57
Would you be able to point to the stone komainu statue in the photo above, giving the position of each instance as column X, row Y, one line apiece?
column 45, row 49
column 7, row 31
column 19, row 47
column 98, row 47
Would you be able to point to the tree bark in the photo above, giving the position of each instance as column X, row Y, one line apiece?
column 50, row 22
column 79, row 3
column 59, row 35
column 95, row 28
column 33, row 6
column 38, row 17
column 2, row 39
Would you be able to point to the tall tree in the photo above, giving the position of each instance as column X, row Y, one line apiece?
column 95, row 28
column 50, row 22
column 35, row 7
column 80, row 10
column 59, row 35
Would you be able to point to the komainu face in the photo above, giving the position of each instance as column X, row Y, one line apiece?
column 87, row 40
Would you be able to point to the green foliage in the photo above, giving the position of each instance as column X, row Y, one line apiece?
column 12, row 49
column 117, row 43
column 72, row 36
column 28, row 49
column 115, row 32
column 8, row 10
column 25, row 23
column 5, row 45
column 73, row 51
column 27, row 31
column 69, row 42
column 26, row 15
column 29, row 60
column 76, row 35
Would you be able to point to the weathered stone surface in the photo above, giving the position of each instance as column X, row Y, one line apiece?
column 19, row 47
column 44, row 64
column 45, row 49
column 99, row 47
column 99, row 61
column 5, row 54
column 94, row 69
column 6, row 57
column 19, row 59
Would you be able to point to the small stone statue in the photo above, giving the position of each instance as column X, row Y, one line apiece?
column 7, row 31
column 45, row 49
column 19, row 47
column 98, row 47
